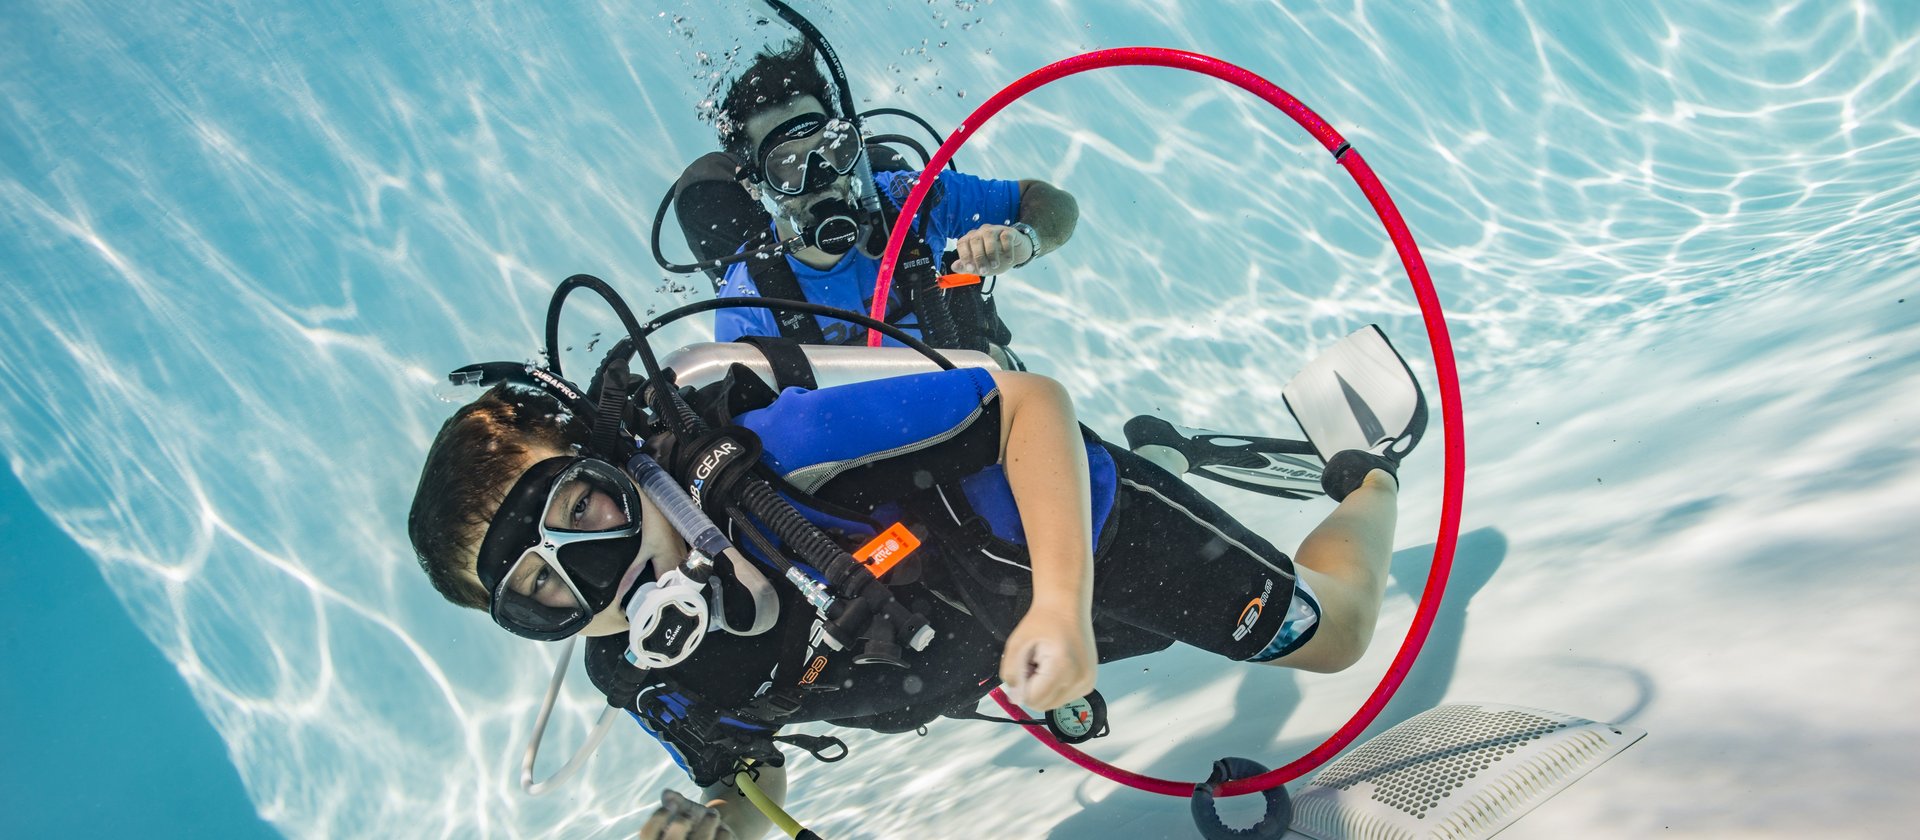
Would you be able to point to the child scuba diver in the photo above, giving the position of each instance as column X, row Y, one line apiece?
column 930, row 535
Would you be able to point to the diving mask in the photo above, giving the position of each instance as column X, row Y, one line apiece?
column 555, row 552
column 806, row 153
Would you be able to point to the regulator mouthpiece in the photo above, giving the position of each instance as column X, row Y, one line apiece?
column 667, row 619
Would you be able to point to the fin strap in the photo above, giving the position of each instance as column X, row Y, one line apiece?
column 1348, row 469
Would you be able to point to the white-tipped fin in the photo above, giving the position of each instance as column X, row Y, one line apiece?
column 1359, row 394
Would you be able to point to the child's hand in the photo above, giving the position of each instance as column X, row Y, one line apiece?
column 681, row 818
column 1050, row 658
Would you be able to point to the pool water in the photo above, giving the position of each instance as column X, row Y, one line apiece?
column 1676, row 243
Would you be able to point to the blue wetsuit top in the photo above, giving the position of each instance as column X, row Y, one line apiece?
column 967, row 203
column 854, row 433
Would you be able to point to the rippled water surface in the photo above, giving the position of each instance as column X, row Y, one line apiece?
column 1676, row 242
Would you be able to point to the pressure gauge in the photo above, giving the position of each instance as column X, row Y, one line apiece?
column 1080, row 719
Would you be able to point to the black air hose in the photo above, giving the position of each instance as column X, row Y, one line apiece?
column 936, row 318
column 860, row 593
column 845, row 574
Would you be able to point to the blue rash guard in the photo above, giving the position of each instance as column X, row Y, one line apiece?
column 967, row 202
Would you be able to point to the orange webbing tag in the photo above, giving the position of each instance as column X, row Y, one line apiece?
column 955, row 281
column 892, row 546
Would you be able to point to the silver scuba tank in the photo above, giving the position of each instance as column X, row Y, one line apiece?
column 699, row 364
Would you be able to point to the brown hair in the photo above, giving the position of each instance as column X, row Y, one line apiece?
column 776, row 74
column 474, row 459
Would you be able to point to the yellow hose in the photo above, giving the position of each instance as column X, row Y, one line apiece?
column 781, row 819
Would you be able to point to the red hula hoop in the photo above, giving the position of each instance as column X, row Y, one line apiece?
column 1437, row 339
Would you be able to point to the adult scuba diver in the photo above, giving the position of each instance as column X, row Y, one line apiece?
column 797, row 207
column 747, row 554
column 798, row 203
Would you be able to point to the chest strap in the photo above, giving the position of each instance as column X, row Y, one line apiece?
column 713, row 744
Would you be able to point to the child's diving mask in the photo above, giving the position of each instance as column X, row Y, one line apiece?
column 554, row 555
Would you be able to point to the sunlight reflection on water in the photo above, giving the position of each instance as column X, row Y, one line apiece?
column 244, row 242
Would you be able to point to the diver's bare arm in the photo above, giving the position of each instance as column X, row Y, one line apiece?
column 738, row 812
column 1344, row 561
column 1053, row 213
column 1046, row 463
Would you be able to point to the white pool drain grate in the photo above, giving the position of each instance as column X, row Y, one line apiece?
column 1462, row 771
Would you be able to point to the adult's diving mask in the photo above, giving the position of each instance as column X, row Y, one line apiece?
column 556, row 550
column 808, row 152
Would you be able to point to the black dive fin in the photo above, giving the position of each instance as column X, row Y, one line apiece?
column 1272, row 466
